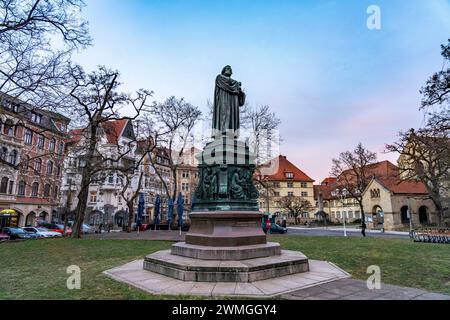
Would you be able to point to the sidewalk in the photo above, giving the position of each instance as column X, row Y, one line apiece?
column 161, row 235
column 350, row 229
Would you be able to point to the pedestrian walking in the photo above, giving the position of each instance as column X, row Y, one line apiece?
column 363, row 229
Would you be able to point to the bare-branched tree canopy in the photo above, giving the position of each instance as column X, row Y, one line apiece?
column 36, row 40
column 353, row 172
column 95, row 100
column 425, row 153
column 295, row 206
column 169, row 124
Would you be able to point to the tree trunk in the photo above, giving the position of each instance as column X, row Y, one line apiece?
column 130, row 215
column 81, row 206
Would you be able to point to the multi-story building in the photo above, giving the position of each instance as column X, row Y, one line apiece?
column 117, row 144
column 31, row 152
column 187, row 176
column 283, row 181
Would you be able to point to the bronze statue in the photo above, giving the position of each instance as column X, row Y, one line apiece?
column 228, row 97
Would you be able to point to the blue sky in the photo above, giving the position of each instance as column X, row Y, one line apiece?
column 331, row 80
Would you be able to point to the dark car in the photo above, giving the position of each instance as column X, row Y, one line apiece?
column 274, row 227
column 17, row 234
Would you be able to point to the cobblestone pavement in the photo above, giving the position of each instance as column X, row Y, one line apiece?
column 162, row 235
column 351, row 289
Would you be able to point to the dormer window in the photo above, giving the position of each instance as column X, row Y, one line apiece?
column 36, row 118
column 289, row 175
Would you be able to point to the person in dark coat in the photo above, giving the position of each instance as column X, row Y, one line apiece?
column 363, row 229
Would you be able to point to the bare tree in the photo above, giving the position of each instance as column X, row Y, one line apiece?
column 95, row 101
column 353, row 172
column 263, row 124
column 170, row 125
column 32, row 56
column 130, row 193
column 295, row 206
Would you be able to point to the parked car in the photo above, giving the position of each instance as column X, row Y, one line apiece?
column 274, row 227
column 42, row 232
column 18, row 233
column 87, row 229
column 57, row 228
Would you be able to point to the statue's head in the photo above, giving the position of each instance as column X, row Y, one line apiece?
column 226, row 71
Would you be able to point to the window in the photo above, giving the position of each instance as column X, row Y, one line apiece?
column 40, row 141
column 4, row 185
column 276, row 194
column 290, row 184
column 47, row 190
column 35, row 189
column 21, row 188
column 8, row 128
column 304, row 184
column 50, row 167
column 185, row 174
column 289, row 175
column 304, row 194
column 52, row 144
column 28, row 139
column 185, row 186
column 276, row 184
column 37, row 166
column 60, row 147
column 55, row 192
column 110, row 179
column 290, row 194
column 3, row 153
column 93, row 197
column 58, row 170
column 13, row 157
column 26, row 163
column 36, row 118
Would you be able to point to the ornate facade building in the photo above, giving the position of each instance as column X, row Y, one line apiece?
column 31, row 157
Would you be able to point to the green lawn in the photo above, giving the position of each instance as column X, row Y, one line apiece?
column 37, row 269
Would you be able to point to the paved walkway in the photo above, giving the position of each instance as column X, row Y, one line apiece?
column 351, row 289
column 162, row 235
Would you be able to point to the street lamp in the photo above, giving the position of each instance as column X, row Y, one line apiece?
column 342, row 194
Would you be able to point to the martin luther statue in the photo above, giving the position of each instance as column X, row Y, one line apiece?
column 228, row 97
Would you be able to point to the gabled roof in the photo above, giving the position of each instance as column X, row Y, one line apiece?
column 397, row 186
column 113, row 129
column 285, row 166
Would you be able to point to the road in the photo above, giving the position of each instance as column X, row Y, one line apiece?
column 339, row 232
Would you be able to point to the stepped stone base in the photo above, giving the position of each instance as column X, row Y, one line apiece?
column 250, row 270
column 226, row 253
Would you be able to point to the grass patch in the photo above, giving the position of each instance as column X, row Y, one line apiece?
column 402, row 262
column 37, row 269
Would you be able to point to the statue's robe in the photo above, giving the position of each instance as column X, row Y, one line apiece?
column 228, row 97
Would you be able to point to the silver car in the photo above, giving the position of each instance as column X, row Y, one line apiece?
column 42, row 232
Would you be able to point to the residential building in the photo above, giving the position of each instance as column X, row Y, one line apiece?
column 31, row 152
column 283, row 180
column 187, row 176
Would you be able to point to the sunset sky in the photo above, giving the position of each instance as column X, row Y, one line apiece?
column 331, row 80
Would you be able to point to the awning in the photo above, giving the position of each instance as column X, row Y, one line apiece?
column 8, row 213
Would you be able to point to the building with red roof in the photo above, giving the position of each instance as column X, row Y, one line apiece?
column 280, row 178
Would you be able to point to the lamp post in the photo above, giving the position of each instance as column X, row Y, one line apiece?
column 342, row 194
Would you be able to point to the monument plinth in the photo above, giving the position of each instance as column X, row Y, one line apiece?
column 226, row 241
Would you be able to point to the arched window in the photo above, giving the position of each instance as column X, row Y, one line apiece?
column 49, row 167
column 404, row 214
column 37, row 166
column 4, row 185
column 3, row 153
column 61, row 148
column 21, row 188
column 26, row 163
column 52, row 144
column 13, row 157
column 55, row 192
column 35, row 189
column 58, row 170
column 47, row 190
